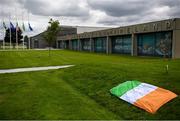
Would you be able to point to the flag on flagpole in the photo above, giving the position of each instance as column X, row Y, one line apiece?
column 23, row 27
column 4, row 25
column 12, row 26
column 30, row 28
column 17, row 27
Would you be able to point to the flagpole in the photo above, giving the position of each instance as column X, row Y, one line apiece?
column 3, row 34
column 10, row 31
column 17, row 46
column 22, row 27
column 23, row 42
column 2, row 22
column 29, row 33
column 16, row 30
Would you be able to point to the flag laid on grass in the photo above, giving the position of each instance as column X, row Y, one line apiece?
column 143, row 95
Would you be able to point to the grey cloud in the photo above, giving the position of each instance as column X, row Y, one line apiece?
column 134, row 11
column 175, row 13
column 8, row 2
column 174, row 9
column 95, row 12
column 119, row 21
column 109, row 22
column 170, row 3
column 70, row 8
column 10, row 7
column 119, row 8
column 40, row 7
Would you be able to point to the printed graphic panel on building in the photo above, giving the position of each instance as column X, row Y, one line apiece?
column 74, row 44
column 86, row 45
column 121, row 44
column 155, row 44
column 100, row 45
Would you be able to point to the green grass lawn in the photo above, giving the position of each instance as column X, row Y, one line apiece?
column 82, row 91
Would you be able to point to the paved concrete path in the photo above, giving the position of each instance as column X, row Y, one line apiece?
column 33, row 69
column 26, row 49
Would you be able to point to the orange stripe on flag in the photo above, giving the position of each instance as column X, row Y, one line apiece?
column 155, row 99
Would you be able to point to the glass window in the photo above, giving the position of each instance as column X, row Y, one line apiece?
column 100, row 45
column 147, row 44
column 74, row 44
column 86, row 44
column 121, row 44
column 163, row 45
column 127, row 44
column 156, row 44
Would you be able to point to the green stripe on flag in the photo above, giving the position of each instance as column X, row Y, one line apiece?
column 124, row 87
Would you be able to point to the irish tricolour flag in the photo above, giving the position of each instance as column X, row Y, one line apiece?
column 143, row 95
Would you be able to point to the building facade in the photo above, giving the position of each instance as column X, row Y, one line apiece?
column 159, row 38
column 38, row 41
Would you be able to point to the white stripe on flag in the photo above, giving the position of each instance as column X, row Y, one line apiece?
column 138, row 92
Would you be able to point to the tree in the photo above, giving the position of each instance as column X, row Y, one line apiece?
column 13, row 36
column 51, row 33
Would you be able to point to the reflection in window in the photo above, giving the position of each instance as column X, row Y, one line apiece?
column 121, row 44
column 86, row 44
column 155, row 44
column 74, row 44
column 100, row 45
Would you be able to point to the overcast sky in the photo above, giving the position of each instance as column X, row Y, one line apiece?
column 106, row 13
